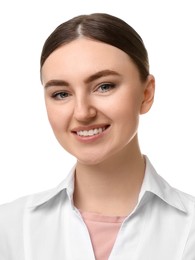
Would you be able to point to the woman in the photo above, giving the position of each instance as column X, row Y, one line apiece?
column 112, row 204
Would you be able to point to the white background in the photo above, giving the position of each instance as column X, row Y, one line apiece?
column 31, row 160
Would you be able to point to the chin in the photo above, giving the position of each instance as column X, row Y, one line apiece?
column 89, row 161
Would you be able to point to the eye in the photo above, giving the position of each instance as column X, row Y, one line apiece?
column 105, row 87
column 60, row 95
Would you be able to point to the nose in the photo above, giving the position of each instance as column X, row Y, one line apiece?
column 84, row 110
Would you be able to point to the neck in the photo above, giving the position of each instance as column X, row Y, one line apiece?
column 111, row 187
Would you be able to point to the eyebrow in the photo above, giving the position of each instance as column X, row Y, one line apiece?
column 93, row 77
column 56, row 82
column 100, row 74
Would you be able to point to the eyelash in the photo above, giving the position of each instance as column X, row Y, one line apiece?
column 110, row 85
column 57, row 95
column 61, row 95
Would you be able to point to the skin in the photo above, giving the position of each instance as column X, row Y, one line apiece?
column 90, row 84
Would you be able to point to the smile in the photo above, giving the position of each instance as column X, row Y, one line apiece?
column 91, row 132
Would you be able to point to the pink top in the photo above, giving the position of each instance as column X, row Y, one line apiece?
column 103, row 231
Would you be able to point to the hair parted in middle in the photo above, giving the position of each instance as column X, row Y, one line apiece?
column 104, row 28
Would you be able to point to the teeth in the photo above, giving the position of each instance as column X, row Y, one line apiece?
column 91, row 132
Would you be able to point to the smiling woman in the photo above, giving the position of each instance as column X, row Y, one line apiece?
column 84, row 103
column 112, row 204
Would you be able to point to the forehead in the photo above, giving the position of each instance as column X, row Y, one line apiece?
column 84, row 56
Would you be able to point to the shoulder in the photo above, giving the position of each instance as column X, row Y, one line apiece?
column 11, row 228
column 12, row 210
column 189, row 203
column 12, row 219
column 12, row 213
column 174, row 197
column 188, row 200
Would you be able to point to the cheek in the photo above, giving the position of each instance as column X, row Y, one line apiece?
column 57, row 117
column 128, row 107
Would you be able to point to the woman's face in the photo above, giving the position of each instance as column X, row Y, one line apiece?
column 94, row 97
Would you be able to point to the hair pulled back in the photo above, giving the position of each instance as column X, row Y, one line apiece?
column 104, row 28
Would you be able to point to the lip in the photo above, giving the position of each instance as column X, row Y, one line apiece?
column 87, row 139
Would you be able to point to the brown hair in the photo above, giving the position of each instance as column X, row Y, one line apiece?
column 104, row 28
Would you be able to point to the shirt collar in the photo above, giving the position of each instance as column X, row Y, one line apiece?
column 42, row 197
column 155, row 184
column 152, row 183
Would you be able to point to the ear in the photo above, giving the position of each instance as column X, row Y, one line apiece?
column 148, row 95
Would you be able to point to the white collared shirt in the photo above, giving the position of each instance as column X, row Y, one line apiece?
column 47, row 226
